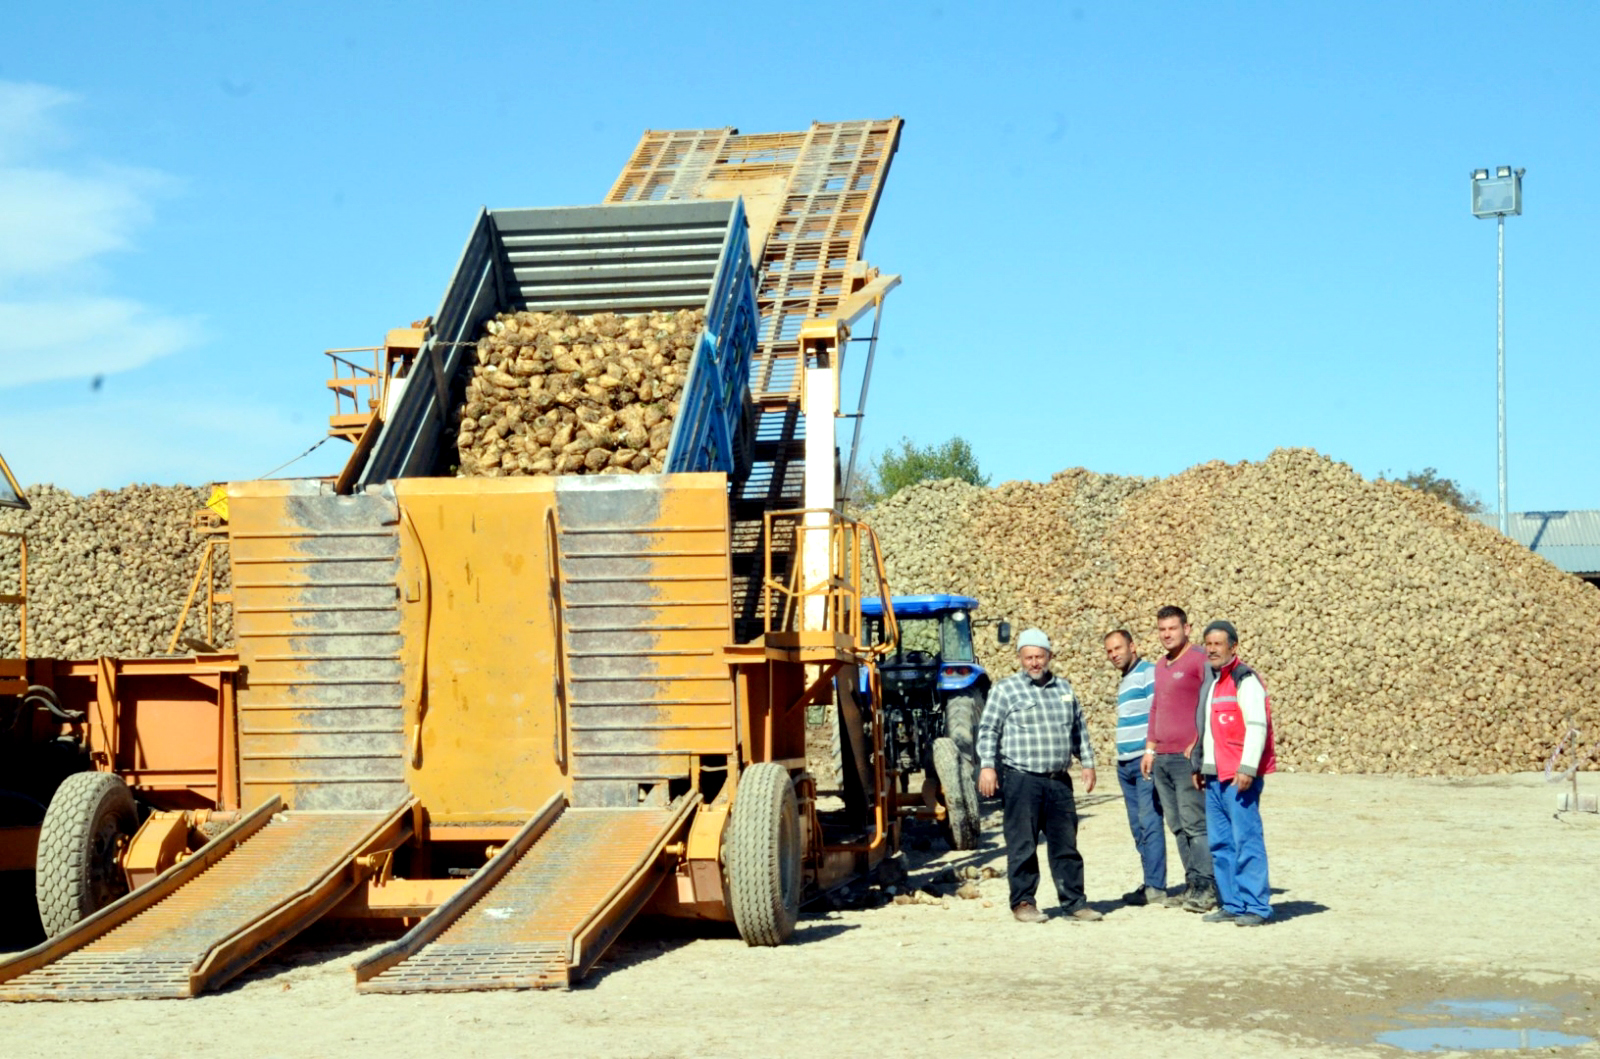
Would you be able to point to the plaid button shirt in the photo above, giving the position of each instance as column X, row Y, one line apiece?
column 1036, row 728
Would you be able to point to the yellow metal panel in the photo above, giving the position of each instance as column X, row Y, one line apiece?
column 316, row 613
column 646, row 608
column 489, row 747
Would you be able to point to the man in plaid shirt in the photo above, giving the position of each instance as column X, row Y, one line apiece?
column 1031, row 729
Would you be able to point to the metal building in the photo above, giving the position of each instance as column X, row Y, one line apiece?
column 1570, row 540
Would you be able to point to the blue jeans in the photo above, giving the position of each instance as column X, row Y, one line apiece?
column 1144, row 820
column 1238, row 848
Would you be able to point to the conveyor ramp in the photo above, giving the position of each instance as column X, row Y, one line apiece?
column 197, row 925
column 543, row 910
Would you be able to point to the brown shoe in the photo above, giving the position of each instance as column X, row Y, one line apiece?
column 1027, row 912
column 1085, row 915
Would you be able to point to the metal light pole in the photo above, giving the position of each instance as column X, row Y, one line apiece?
column 1499, row 196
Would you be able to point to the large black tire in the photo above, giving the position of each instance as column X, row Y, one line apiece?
column 77, row 871
column 761, row 855
column 959, row 794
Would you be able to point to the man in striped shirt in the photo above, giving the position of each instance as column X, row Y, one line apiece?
column 1030, row 732
column 1138, row 790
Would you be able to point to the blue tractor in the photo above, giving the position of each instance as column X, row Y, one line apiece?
column 933, row 695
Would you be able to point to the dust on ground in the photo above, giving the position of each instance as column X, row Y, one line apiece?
column 1393, row 895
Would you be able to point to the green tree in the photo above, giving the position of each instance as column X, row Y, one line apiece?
column 1449, row 490
column 892, row 471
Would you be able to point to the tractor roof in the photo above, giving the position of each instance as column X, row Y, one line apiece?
column 925, row 606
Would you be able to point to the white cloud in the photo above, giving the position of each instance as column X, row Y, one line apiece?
column 52, row 221
column 72, row 337
column 60, row 216
column 26, row 121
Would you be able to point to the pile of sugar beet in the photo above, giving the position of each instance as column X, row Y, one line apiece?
column 554, row 393
column 107, row 572
column 1394, row 633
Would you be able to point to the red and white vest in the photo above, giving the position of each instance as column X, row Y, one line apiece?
column 1228, row 727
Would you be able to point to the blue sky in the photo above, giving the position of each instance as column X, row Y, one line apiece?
column 1134, row 237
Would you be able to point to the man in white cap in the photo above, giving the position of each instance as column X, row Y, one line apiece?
column 1030, row 732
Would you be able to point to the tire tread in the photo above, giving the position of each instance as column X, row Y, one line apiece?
column 62, row 886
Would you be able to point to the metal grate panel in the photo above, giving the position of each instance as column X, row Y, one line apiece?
column 520, row 934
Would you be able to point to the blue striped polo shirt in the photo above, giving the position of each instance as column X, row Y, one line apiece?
column 1133, row 709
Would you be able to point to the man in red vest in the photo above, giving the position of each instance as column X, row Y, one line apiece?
column 1232, row 756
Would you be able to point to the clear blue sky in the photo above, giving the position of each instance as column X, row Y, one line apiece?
column 1134, row 236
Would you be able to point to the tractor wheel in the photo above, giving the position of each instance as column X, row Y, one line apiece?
column 762, row 855
column 77, row 869
column 961, row 714
column 960, row 796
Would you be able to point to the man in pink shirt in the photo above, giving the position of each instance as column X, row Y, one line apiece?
column 1180, row 673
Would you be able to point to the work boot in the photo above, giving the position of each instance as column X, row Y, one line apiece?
column 1085, row 914
column 1200, row 900
column 1176, row 900
column 1027, row 912
column 1140, row 896
column 1219, row 916
column 1249, row 919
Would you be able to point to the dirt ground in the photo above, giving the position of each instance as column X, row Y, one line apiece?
column 1396, row 899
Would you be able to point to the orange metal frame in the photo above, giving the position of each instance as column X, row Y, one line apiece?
column 166, row 726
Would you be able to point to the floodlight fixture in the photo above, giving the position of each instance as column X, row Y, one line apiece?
column 1499, row 195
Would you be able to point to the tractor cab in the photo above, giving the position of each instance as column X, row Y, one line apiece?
column 935, row 653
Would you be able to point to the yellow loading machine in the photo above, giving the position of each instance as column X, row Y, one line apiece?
column 522, row 710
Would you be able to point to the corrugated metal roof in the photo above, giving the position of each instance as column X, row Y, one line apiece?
column 1570, row 540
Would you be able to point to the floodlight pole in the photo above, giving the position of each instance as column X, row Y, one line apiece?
column 1498, row 197
column 1501, row 362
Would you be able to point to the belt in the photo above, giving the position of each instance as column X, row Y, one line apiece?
column 1055, row 774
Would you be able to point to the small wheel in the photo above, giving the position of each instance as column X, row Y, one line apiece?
column 77, row 869
column 960, row 796
column 762, row 855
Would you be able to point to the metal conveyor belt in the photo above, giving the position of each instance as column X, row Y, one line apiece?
column 188, row 931
column 540, row 913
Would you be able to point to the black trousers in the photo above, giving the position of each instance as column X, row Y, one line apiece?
column 1035, row 803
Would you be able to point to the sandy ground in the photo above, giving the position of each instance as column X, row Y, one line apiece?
column 1393, row 895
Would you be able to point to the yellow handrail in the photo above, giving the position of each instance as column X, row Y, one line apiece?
column 205, row 571
column 840, row 590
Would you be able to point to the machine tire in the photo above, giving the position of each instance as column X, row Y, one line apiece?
column 960, row 795
column 77, row 871
column 762, row 855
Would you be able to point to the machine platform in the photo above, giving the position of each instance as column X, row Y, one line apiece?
column 542, row 911
column 195, row 926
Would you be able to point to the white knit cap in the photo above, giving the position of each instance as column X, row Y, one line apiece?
column 1033, row 638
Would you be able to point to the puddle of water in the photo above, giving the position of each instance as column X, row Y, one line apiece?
column 1483, row 1038
column 1477, row 1038
column 1492, row 1009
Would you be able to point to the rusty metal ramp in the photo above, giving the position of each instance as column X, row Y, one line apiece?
column 201, row 922
column 542, row 911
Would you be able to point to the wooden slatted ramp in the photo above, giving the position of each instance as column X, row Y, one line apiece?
column 211, row 916
column 543, row 910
